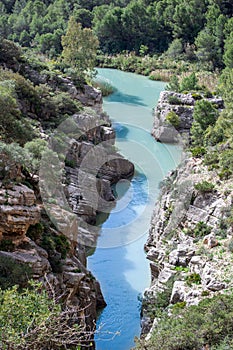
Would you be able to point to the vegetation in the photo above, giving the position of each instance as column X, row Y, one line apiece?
column 13, row 273
column 207, row 324
column 49, row 48
column 30, row 318
column 204, row 186
column 173, row 119
column 79, row 47
column 193, row 278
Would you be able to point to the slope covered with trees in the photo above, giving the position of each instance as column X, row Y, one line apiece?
column 198, row 30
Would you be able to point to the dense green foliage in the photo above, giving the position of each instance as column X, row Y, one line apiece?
column 79, row 47
column 29, row 319
column 208, row 324
column 172, row 40
column 196, row 29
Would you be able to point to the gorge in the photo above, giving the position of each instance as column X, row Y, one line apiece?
column 119, row 262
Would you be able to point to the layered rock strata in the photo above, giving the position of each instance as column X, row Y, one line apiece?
column 190, row 238
column 21, row 209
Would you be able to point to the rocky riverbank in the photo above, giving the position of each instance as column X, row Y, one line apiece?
column 35, row 237
column 190, row 238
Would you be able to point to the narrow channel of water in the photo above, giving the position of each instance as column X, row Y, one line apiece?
column 119, row 262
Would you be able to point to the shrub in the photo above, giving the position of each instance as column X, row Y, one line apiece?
column 70, row 163
column 14, row 127
column 9, row 52
column 29, row 319
column 178, row 306
column 12, row 157
column 193, row 278
column 210, row 323
column 196, row 96
column 226, row 163
column 175, row 49
column 198, row 151
column 211, row 159
column 201, row 229
column 189, row 83
column 161, row 302
column 173, row 84
column 105, row 87
column 173, row 119
column 57, row 247
column 205, row 293
column 174, row 100
column 204, row 186
column 13, row 272
column 7, row 245
column 35, row 231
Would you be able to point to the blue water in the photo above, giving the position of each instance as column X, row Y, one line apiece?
column 119, row 262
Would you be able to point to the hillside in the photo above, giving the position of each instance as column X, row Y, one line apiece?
column 50, row 125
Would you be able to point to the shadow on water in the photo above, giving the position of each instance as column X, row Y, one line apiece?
column 125, row 98
column 116, row 269
column 121, row 130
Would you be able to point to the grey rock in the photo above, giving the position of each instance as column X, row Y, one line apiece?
column 215, row 285
column 178, row 292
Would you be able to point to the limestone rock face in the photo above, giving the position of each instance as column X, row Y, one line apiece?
column 91, row 166
column 18, row 210
column 183, row 106
column 187, row 263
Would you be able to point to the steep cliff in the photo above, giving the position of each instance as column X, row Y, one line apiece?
column 50, row 232
column 190, row 239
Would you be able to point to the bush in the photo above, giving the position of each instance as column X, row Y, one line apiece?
column 210, row 323
column 193, row 278
column 12, row 158
column 173, row 84
column 7, row 245
column 31, row 320
column 226, row 163
column 14, row 127
column 204, row 186
column 57, row 247
column 173, row 119
column 189, row 83
column 201, row 229
column 196, row 96
column 10, row 53
column 105, row 87
column 13, row 272
column 174, row 100
column 35, row 231
column 198, row 151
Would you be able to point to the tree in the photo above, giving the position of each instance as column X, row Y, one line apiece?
column 31, row 320
column 207, row 51
column 175, row 49
column 189, row 83
column 107, row 25
column 228, row 54
column 188, row 19
column 204, row 115
column 79, row 48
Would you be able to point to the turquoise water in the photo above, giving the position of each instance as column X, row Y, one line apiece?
column 119, row 262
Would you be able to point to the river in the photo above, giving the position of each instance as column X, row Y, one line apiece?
column 119, row 262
